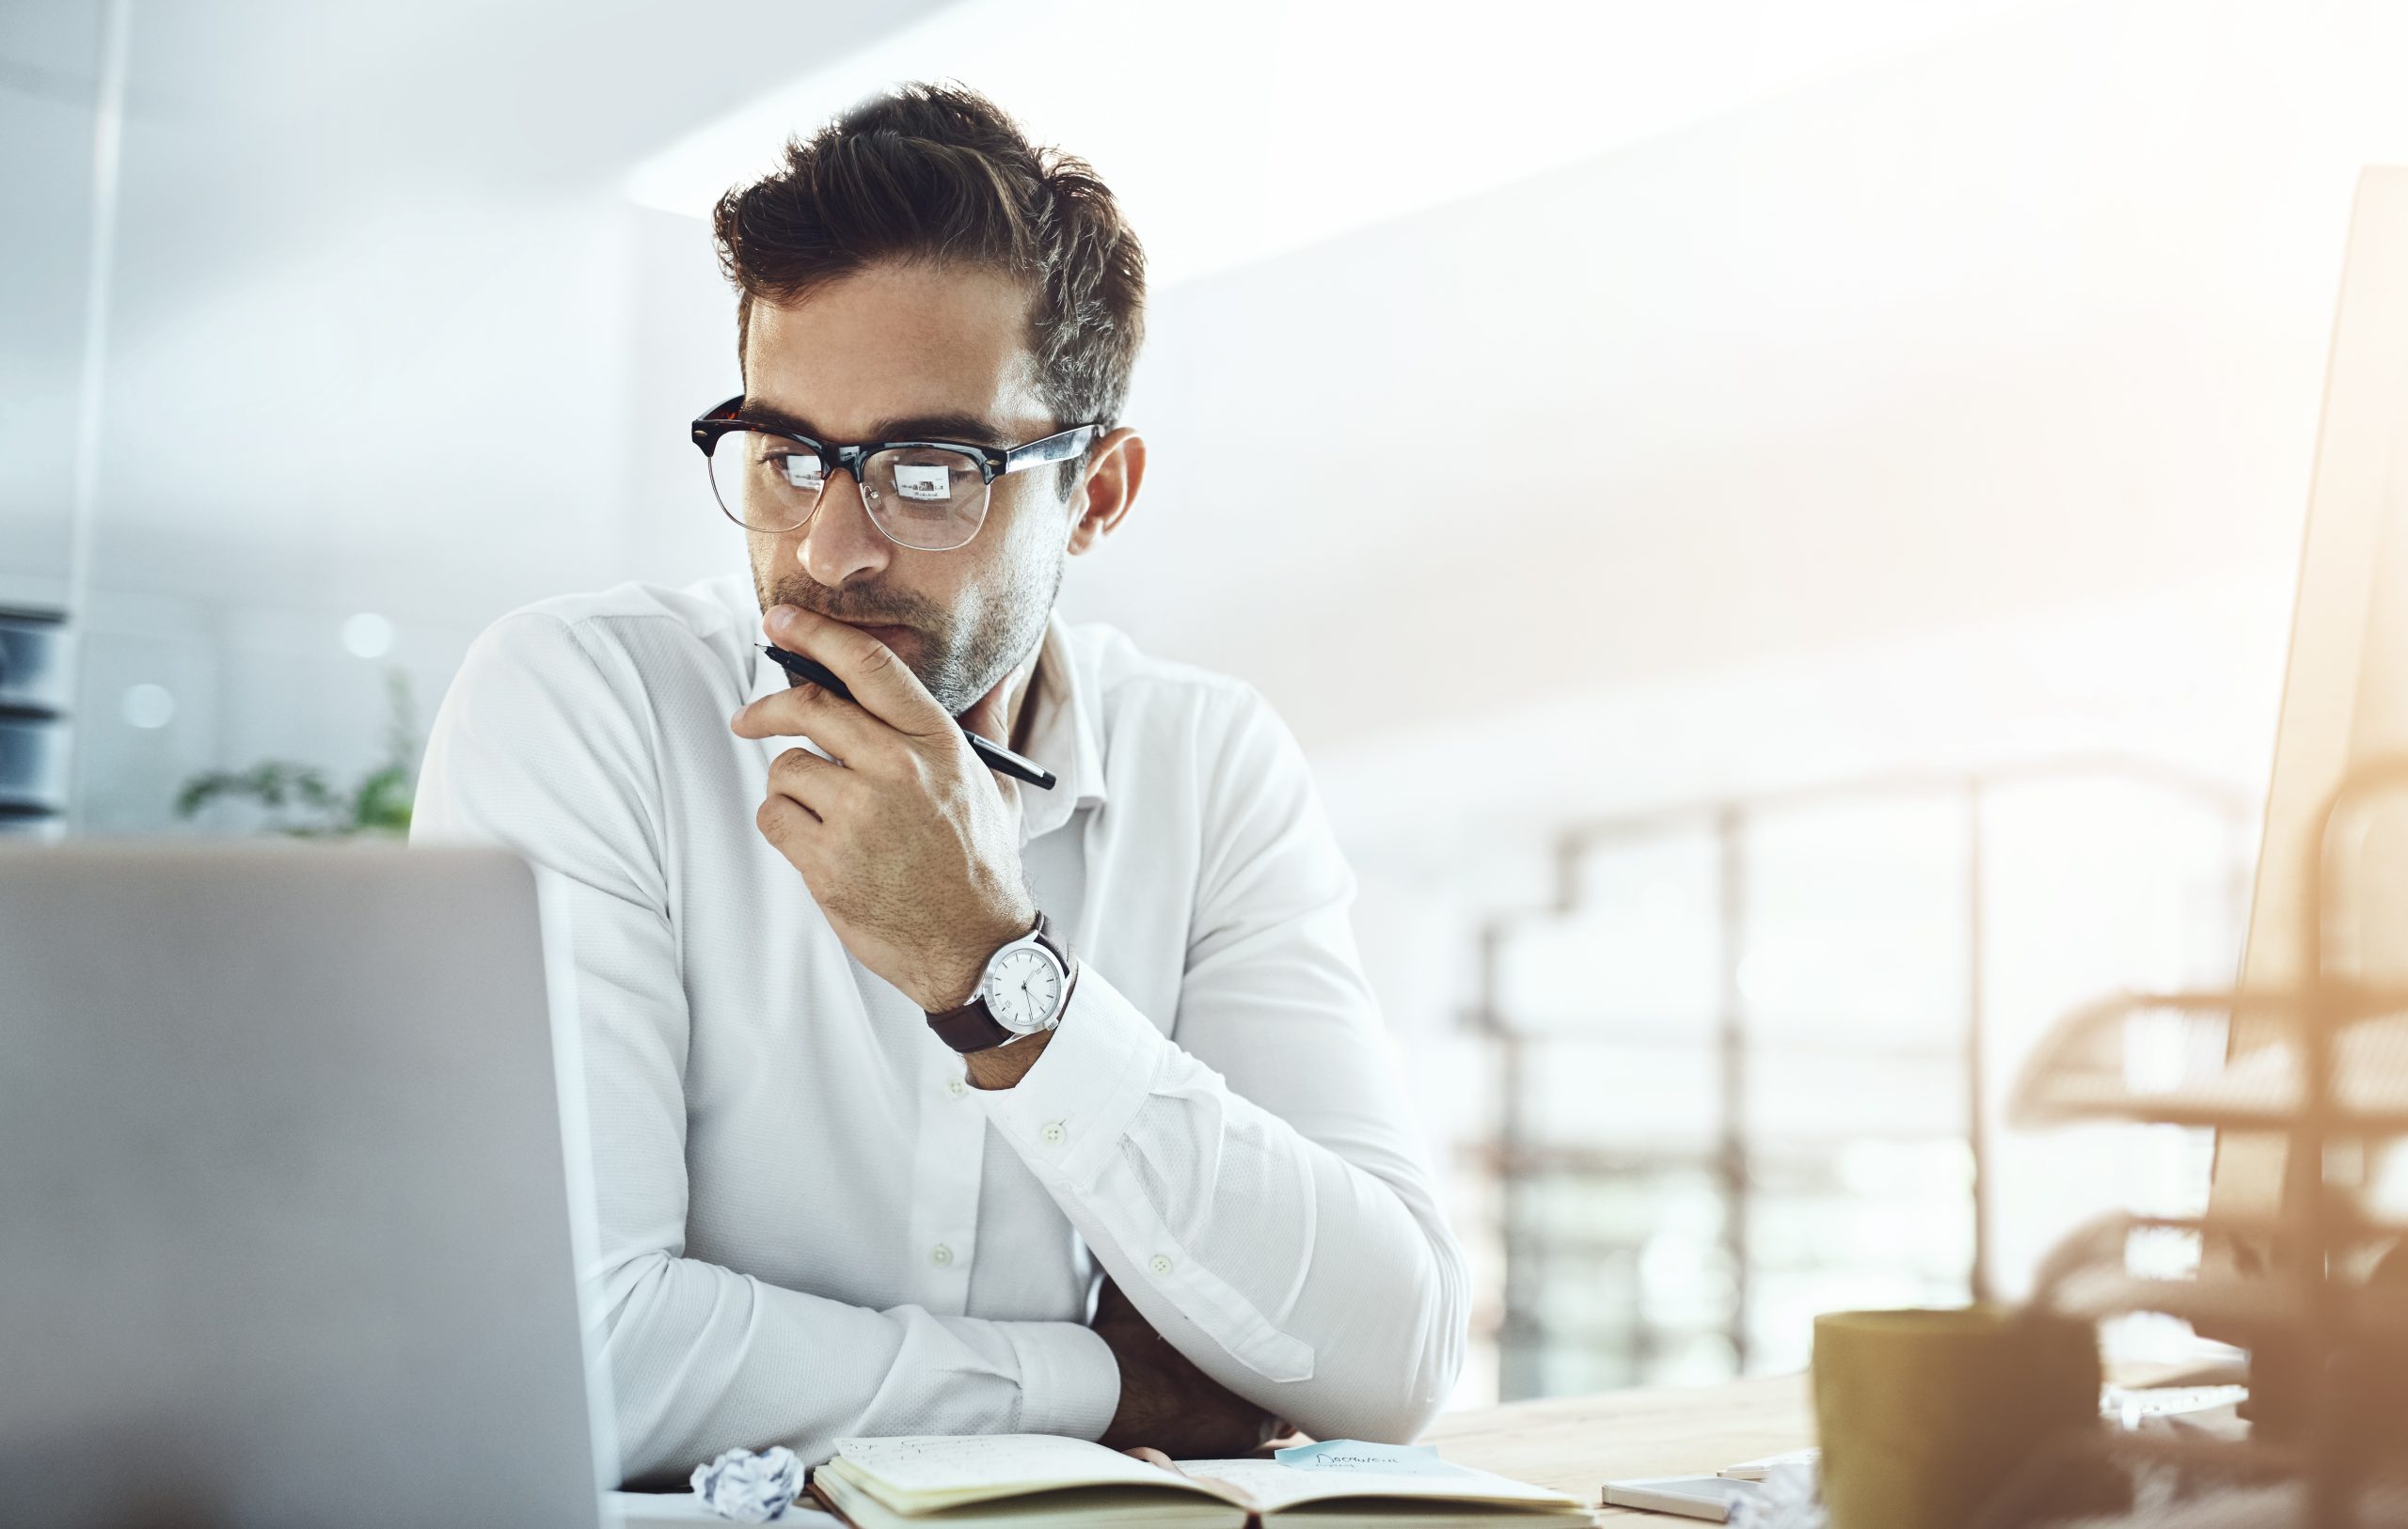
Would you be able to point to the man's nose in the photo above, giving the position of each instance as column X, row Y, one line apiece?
column 839, row 542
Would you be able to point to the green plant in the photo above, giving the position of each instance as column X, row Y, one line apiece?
column 297, row 799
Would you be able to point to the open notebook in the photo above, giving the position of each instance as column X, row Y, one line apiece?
column 1025, row 1478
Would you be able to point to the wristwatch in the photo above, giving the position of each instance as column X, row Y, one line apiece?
column 1026, row 984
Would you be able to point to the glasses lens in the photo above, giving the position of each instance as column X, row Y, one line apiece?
column 765, row 482
column 926, row 497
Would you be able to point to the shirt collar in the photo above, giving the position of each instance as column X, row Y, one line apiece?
column 1064, row 734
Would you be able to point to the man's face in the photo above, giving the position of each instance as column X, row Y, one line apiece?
column 919, row 352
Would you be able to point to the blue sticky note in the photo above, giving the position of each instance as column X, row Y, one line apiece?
column 1382, row 1459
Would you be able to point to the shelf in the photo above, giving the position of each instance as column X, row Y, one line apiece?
column 2081, row 1071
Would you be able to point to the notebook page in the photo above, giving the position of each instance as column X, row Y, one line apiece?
column 1273, row 1486
column 984, row 1466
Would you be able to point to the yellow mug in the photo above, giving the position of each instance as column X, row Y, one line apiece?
column 1924, row 1414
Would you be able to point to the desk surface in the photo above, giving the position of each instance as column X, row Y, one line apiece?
column 1577, row 1444
column 1573, row 1443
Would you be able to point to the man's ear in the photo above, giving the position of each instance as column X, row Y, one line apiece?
column 1110, row 487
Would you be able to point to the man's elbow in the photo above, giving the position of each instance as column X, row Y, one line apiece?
column 1376, row 1415
column 1401, row 1420
column 1428, row 1381
column 642, row 1321
column 1432, row 1384
column 1392, row 1403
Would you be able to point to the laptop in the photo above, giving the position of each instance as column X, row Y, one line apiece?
column 286, row 1229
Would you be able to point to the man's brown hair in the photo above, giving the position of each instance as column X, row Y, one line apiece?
column 938, row 173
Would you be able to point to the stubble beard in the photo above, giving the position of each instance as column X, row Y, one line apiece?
column 956, row 669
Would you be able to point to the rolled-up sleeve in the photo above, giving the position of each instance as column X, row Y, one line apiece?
column 1253, row 1180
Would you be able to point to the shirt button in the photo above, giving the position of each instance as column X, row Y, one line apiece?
column 1052, row 1133
column 956, row 1087
column 941, row 1255
column 1160, row 1265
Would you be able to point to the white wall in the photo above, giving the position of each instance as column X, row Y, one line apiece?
column 2028, row 319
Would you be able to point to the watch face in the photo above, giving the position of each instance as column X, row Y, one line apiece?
column 1023, row 989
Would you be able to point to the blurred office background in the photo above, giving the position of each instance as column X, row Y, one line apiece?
column 1775, row 522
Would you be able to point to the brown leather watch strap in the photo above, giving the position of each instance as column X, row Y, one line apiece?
column 974, row 1027
column 970, row 1028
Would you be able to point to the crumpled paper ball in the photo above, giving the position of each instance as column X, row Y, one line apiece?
column 1791, row 1500
column 749, row 1488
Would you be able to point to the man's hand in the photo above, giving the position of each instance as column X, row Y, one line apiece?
column 1166, row 1403
column 909, row 846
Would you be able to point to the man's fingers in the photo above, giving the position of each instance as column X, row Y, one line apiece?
column 882, row 682
column 806, row 711
column 785, row 822
column 988, row 714
column 809, row 781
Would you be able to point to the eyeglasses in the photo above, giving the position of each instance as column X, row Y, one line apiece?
column 929, row 496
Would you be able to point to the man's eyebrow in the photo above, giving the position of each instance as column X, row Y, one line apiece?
column 970, row 429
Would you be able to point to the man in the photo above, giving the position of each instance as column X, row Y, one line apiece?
column 865, row 1132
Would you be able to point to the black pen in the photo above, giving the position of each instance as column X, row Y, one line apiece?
column 998, row 758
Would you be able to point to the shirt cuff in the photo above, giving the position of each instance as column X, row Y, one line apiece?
column 1069, row 1383
column 1068, row 1111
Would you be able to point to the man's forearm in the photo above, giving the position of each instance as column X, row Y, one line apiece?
column 702, row 1358
column 1297, row 1278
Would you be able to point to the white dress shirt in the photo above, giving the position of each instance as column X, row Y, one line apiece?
column 811, row 1226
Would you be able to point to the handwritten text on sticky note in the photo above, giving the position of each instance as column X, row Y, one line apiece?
column 1376, row 1459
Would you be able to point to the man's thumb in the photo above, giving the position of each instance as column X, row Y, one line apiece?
column 985, row 716
column 990, row 715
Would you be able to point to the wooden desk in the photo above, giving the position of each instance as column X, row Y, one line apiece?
column 1577, row 1444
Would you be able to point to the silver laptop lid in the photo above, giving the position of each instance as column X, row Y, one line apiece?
column 285, row 1212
